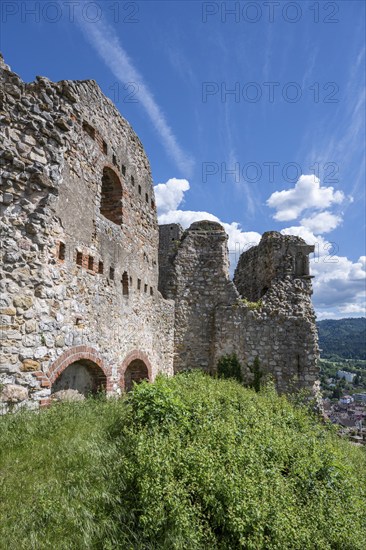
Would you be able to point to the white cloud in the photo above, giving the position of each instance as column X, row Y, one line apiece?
column 322, row 222
column 339, row 284
column 307, row 193
column 103, row 38
column 170, row 195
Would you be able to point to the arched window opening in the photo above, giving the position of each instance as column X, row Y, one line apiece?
column 111, row 202
column 136, row 372
column 125, row 284
column 83, row 376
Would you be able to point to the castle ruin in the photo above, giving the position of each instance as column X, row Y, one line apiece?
column 93, row 294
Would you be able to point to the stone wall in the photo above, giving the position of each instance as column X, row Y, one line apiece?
column 169, row 239
column 79, row 238
column 272, row 318
column 91, row 295
column 276, row 256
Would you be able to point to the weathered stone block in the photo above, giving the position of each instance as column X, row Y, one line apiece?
column 13, row 393
column 29, row 365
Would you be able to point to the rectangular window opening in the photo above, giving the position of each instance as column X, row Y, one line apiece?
column 88, row 129
column 91, row 263
column 151, row 291
column 123, row 170
column 139, row 189
column 132, row 180
column 145, row 288
column 79, row 258
column 125, row 284
column 61, row 251
column 100, row 268
column 105, row 148
column 138, row 284
column 111, row 273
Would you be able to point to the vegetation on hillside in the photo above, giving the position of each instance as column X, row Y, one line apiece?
column 190, row 462
column 339, row 387
column 342, row 338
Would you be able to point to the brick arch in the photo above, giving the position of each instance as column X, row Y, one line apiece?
column 111, row 195
column 70, row 356
column 133, row 356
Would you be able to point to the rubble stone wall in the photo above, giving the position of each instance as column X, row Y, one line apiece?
column 93, row 294
column 272, row 318
column 79, row 236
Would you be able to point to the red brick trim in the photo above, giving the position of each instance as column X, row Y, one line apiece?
column 70, row 356
column 115, row 170
column 135, row 354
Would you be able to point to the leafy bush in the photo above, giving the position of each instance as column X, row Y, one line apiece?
column 190, row 462
column 257, row 374
column 228, row 366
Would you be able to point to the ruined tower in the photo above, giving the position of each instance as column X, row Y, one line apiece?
column 265, row 313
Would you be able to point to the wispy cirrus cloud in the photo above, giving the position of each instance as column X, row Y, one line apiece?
column 104, row 40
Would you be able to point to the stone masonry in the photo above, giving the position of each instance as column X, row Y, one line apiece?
column 266, row 312
column 79, row 245
column 89, row 299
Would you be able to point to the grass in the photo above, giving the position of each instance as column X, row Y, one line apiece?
column 187, row 463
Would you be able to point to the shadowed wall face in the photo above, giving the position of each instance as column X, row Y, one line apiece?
column 85, row 377
column 136, row 372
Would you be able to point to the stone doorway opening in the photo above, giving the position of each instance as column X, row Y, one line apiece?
column 136, row 371
column 83, row 376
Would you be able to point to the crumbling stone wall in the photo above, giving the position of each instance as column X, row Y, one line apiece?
column 169, row 239
column 91, row 295
column 272, row 318
column 199, row 282
column 275, row 257
column 79, row 235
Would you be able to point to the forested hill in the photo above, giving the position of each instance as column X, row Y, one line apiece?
column 343, row 338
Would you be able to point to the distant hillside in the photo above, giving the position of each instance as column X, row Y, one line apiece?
column 342, row 338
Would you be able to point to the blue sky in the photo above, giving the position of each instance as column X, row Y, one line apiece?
column 252, row 113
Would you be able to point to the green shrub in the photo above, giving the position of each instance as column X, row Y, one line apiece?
column 228, row 366
column 191, row 462
column 257, row 374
